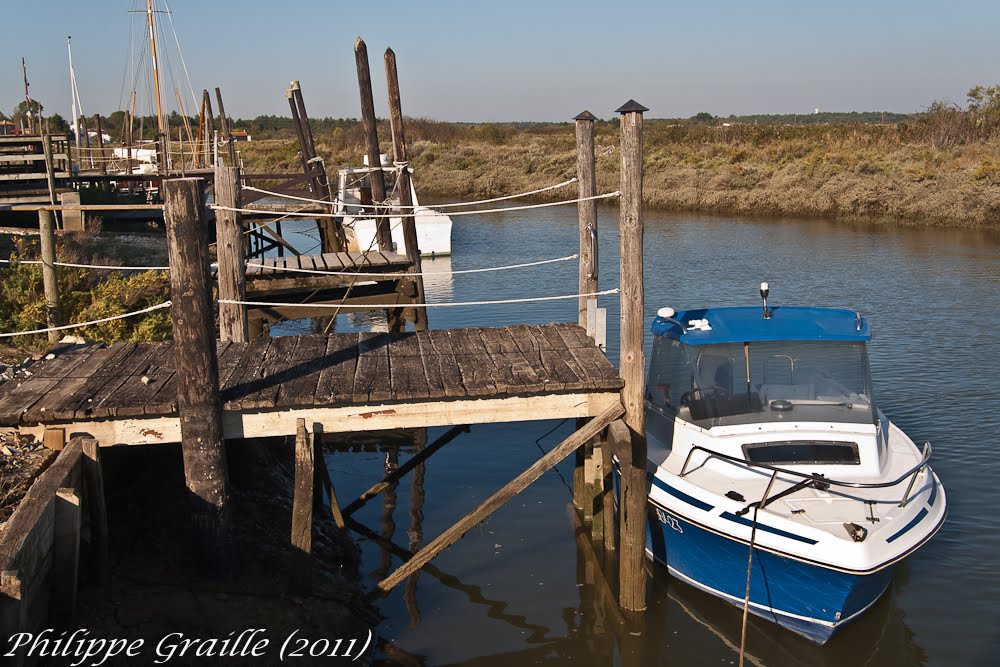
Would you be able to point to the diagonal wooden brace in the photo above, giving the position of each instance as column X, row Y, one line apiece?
column 501, row 497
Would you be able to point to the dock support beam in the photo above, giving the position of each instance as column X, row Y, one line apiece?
column 232, row 262
column 632, row 455
column 50, row 277
column 198, row 398
column 403, row 187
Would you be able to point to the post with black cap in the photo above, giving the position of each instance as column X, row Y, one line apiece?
column 632, row 452
column 583, row 491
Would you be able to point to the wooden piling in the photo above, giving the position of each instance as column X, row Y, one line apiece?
column 100, row 144
column 403, row 187
column 50, row 167
column 232, row 262
column 198, row 398
column 329, row 231
column 206, row 103
column 163, row 159
column 632, row 458
column 224, row 128
column 587, row 210
column 302, row 502
column 607, row 498
column 50, row 277
column 376, row 177
column 128, row 146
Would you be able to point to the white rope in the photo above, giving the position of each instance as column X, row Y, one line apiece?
column 399, row 206
column 268, row 304
column 89, row 266
column 165, row 304
column 429, row 212
column 325, row 202
column 410, row 275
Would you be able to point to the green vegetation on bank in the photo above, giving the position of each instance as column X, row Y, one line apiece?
column 85, row 295
column 939, row 167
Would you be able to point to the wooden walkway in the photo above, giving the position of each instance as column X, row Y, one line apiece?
column 126, row 393
column 272, row 274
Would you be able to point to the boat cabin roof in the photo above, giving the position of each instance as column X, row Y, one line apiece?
column 747, row 324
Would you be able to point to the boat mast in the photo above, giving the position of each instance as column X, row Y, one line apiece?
column 156, row 69
column 73, row 98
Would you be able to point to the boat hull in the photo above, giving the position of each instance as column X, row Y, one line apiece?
column 809, row 599
column 433, row 233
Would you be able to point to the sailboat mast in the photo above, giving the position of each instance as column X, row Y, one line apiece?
column 156, row 69
column 73, row 97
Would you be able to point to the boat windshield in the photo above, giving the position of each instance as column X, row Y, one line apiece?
column 765, row 381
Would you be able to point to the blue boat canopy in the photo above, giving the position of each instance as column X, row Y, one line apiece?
column 747, row 324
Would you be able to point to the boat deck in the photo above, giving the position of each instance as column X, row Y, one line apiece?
column 127, row 392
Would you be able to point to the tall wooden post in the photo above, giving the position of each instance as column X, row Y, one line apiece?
column 206, row 103
column 162, row 146
column 232, row 262
column 224, row 128
column 587, row 211
column 329, row 233
column 100, row 144
column 376, row 177
column 403, row 187
column 50, row 277
column 198, row 399
column 128, row 147
column 50, row 167
column 634, row 493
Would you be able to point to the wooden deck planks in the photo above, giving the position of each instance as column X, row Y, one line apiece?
column 138, row 380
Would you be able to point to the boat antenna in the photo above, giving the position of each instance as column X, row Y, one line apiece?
column 764, row 290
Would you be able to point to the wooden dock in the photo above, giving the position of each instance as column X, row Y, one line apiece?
column 126, row 393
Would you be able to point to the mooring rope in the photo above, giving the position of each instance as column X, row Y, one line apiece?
column 525, row 207
column 271, row 304
column 399, row 206
column 165, row 304
column 107, row 267
column 421, row 273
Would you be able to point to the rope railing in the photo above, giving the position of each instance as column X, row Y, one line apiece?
column 399, row 206
column 165, row 304
column 565, row 202
column 444, row 304
column 420, row 273
column 106, row 267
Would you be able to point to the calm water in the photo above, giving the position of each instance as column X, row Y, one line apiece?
column 510, row 593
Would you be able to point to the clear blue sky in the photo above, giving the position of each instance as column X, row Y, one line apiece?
column 518, row 60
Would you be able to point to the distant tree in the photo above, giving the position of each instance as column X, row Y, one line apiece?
column 20, row 111
column 703, row 117
column 57, row 124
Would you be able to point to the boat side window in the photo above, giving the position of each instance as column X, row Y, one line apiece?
column 669, row 375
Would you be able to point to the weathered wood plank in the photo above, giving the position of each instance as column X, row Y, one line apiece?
column 262, row 390
column 135, row 367
column 440, row 349
column 371, row 380
column 407, row 376
column 432, row 368
column 130, row 398
column 336, row 380
column 21, row 396
column 246, row 370
column 73, row 394
column 300, row 387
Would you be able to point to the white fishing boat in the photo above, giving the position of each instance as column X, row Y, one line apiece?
column 354, row 202
column 765, row 437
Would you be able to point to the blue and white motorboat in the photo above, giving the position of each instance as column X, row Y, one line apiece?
column 764, row 435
